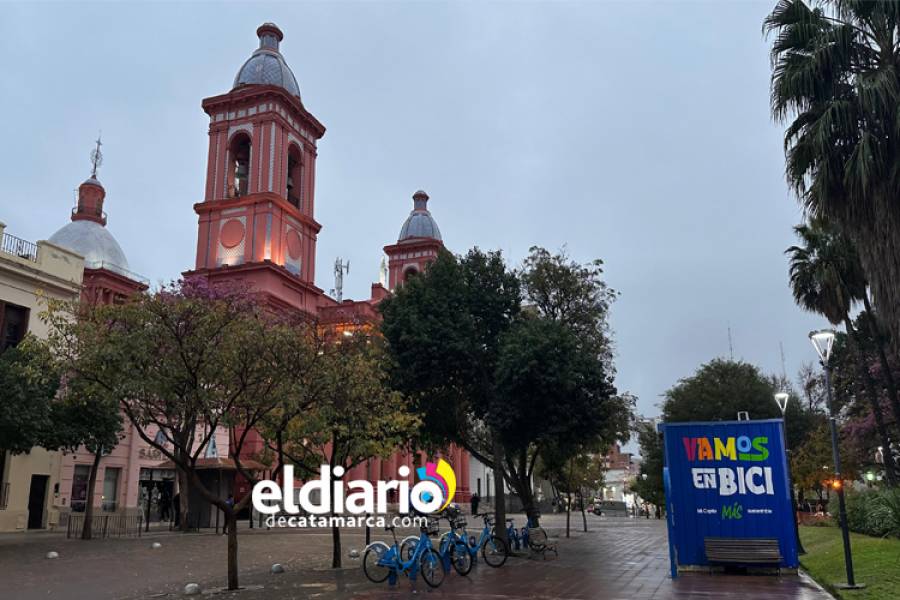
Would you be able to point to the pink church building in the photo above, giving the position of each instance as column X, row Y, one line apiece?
column 256, row 224
column 257, row 220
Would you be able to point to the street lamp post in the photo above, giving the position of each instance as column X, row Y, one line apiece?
column 782, row 399
column 823, row 341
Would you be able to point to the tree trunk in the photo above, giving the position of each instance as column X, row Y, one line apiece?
column 231, row 523
column 583, row 513
column 522, row 483
column 184, row 505
column 885, row 364
column 87, row 528
column 527, row 493
column 279, row 444
column 568, row 511
column 872, row 395
column 499, row 492
column 335, row 547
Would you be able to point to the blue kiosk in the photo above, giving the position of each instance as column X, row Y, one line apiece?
column 728, row 495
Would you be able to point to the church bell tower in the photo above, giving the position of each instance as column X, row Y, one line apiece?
column 256, row 222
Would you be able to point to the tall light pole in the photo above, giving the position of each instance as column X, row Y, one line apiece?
column 782, row 399
column 823, row 341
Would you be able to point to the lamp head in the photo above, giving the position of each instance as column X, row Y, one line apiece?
column 782, row 399
column 822, row 341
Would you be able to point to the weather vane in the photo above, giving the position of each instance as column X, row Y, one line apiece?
column 96, row 158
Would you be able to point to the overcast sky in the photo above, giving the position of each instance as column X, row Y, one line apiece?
column 635, row 132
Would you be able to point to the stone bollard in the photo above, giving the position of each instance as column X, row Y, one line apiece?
column 277, row 568
column 191, row 589
column 53, row 554
column 354, row 554
column 155, row 545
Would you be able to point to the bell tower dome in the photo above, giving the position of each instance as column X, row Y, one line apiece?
column 256, row 222
column 418, row 244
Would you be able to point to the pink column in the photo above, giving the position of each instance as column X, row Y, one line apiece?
column 463, row 474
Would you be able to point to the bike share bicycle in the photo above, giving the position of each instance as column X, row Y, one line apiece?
column 452, row 548
column 382, row 562
column 493, row 549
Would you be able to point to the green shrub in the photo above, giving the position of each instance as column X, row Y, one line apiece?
column 885, row 512
column 871, row 512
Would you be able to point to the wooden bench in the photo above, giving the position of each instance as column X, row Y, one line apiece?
column 742, row 551
column 539, row 543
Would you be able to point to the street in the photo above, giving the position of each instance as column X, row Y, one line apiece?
column 617, row 559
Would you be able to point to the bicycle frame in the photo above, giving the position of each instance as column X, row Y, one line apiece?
column 395, row 562
column 482, row 540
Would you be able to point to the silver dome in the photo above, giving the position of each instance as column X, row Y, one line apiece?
column 95, row 243
column 266, row 66
column 419, row 223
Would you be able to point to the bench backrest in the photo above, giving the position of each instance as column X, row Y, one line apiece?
column 742, row 550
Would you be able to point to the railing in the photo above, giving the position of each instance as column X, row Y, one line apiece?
column 94, row 212
column 10, row 244
column 4, row 495
column 102, row 264
column 104, row 526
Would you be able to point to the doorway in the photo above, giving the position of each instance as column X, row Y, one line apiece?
column 37, row 497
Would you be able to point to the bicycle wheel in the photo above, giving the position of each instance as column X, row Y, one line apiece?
column 408, row 547
column 431, row 568
column 377, row 573
column 494, row 551
column 460, row 558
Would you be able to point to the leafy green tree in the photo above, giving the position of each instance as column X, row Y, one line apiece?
column 27, row 390
column 836, row 82
column 87, row 415
column 649, row 482
column 504, row 384
column 357, row 416
column 443, row 330
column 183, row 362
column 827, row 277
column 36, row 411
column 811, row 462
column 577, row 471
column 718, row 391
column 552, row 388
column 302, row 357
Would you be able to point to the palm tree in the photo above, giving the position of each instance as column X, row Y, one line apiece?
column 827, row 278
column 836, row 81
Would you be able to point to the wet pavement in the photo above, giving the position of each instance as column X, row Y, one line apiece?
column 617, row 559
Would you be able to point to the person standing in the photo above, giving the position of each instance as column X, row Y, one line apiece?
column 475, row 500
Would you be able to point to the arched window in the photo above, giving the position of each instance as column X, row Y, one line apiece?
column 409, row 273
column 295, row 178
column 239, row 166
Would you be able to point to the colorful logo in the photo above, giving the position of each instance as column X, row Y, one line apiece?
column 442, row 474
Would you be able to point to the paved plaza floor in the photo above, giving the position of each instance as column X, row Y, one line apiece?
column 617, row 559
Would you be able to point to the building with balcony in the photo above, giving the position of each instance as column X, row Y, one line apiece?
column 30, row 273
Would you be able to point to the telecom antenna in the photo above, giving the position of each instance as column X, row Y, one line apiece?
column 339, row 269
